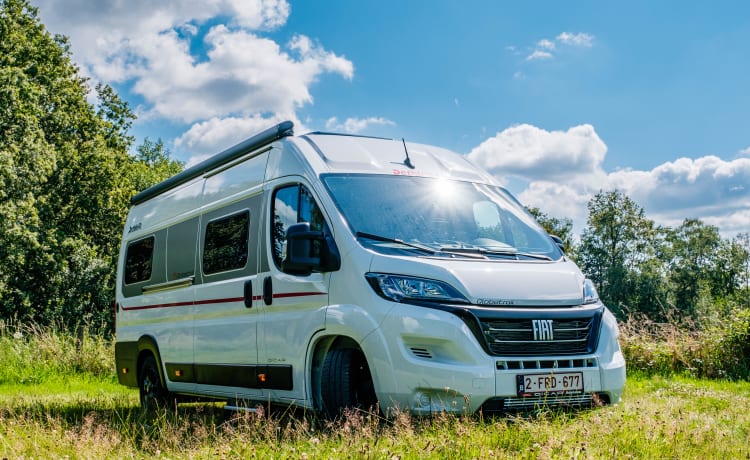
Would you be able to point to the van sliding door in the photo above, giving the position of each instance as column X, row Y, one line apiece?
column 225, row 325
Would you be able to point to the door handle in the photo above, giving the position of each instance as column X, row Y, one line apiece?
column 268, row 290
column 248, row 292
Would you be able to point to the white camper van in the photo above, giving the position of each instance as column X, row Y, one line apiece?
column 333, row 271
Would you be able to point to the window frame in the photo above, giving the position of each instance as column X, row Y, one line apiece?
column 272, row 220
column 126, row 271
column 204, row 247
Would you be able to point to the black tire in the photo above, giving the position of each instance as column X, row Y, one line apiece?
column 153, row 394
column 346, row 382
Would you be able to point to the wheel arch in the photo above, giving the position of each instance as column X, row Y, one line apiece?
column 321, row 348
column 147, row 346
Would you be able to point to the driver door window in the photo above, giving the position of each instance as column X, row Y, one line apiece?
column 292, row 205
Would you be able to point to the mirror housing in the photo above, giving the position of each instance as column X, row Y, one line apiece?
column 308, row 251
column 559, row 242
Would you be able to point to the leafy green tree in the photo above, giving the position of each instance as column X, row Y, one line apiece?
column 692, row 260
column 743, row 241
column 65, row 179
column 619, row 251
column 152, row 164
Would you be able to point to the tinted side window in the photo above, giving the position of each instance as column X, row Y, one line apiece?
column 139, row 261
column 292, row 205
column 181, row 243
column 226, row 243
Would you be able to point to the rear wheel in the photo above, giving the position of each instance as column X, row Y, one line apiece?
column 152, row 391
column 346, row 382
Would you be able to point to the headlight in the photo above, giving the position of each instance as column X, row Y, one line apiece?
column 398, row 288
column 589, row 292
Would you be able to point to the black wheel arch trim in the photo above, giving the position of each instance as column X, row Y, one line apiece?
column 148, row 343
column 129, row 359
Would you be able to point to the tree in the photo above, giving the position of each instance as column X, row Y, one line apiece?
column 65, row 179
column 743, row 241
column 617, row 251
column 152, row 164
column 692, row 248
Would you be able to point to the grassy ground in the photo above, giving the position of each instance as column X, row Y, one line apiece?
column 93, row 417
column 59, row 399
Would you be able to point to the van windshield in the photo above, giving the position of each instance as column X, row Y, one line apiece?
column 438, row 217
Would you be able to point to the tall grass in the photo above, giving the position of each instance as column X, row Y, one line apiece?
column 720, row 349
column 31, row 354
column 659, row 418
column 59, row 399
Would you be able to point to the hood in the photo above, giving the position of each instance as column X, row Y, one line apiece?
column 496, row 283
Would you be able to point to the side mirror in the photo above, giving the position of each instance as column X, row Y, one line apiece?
column 308, row 251
column 559, row 242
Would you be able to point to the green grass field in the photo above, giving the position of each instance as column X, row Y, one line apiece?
column 82, row 416
column 59, row 399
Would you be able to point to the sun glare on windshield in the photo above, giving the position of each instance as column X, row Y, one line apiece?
column 444, row 190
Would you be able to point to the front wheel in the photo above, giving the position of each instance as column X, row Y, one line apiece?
column 346, row 382
column 152, row 391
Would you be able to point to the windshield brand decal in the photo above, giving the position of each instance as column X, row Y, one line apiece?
column 406, row 172
column 494, row 302
column 135, row 228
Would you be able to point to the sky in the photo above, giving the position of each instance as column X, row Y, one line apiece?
column 558, row 100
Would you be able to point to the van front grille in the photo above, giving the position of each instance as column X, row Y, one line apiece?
column 549, row 337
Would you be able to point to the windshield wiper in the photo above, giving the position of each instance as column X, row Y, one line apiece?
column 385, row 239
column 496, row 252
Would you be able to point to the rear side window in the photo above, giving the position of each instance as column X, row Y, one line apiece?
column 226, row 243
column 139, row 261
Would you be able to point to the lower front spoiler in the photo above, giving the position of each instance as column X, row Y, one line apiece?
column 575, row 401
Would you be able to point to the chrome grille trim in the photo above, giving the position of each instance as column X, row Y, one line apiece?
column 515, row 336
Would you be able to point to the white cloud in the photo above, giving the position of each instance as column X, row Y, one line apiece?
column 209, row 137
column 539, row 55
column 100, row 31
column 356, row 125
column 558, row 199
column 579, row 39
column 562, row 170
column 705, row 186
column 240, row 75
column 745, row 151
column 544, row 47
column 545, row 44
column 531, row 152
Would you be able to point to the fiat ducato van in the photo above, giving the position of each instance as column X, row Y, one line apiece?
column 335, row 271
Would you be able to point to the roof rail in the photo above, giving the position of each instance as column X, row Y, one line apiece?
column 283, row 129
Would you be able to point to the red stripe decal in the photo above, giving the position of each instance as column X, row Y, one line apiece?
column 210, row 301
column 216, row 301
column 148, row 307
column 296, row 294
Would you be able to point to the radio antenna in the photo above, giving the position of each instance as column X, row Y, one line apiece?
column 407, row 161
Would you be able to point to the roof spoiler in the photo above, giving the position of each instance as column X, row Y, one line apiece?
column 283, row 129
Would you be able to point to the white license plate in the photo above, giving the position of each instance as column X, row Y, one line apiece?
column 563, row 382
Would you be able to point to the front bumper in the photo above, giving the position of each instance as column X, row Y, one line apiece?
column 438, row 365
